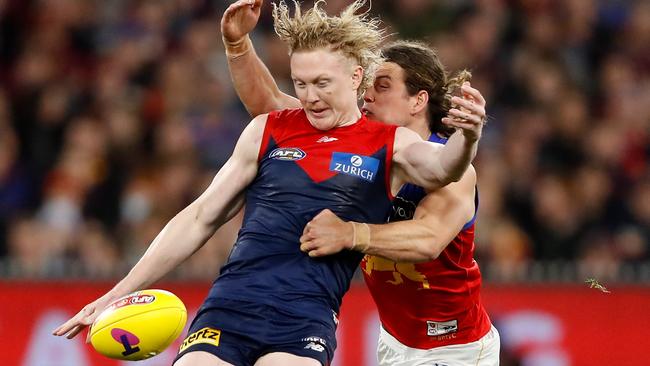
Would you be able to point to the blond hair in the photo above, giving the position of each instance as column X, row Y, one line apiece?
column 357, row 36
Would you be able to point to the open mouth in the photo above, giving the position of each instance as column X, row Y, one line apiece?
column 318, row 112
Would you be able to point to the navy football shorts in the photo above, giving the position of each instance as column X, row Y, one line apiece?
column 241, row 332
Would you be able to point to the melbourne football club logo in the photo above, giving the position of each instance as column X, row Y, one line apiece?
column 364, row 167
column 287, row 154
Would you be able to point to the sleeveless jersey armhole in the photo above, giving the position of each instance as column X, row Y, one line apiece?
column 390, row 141
column 473, row 219
column 266, row 135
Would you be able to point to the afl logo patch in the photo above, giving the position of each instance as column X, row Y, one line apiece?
column 287, row 154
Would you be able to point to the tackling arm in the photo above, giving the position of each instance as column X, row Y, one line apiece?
column 438, row 218
column 430, row 165
column 418, row 162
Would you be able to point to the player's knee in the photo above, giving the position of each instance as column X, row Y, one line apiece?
column 284, row 359
column 200, row 358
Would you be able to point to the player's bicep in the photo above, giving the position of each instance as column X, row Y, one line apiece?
column 448, row 209
column 415, row 161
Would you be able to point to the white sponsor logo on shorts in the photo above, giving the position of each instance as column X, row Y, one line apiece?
column 314, row 339
column 440, row 328
column 315, row 346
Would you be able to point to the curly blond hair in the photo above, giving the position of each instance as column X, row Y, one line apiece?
column 355, row 35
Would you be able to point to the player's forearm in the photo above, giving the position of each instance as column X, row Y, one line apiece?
column 404, row 241
column 178, row 240
column 431, row 165
column 456, row 156
column 252, row 80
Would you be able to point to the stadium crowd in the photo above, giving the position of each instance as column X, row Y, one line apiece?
column 115, row 114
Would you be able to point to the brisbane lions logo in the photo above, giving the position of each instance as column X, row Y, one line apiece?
column 371, row 263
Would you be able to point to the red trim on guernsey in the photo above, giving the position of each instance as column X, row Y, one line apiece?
column 267, row 135
column 290, row 129
column 389, row 166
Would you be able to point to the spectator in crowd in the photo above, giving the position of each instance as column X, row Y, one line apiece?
column 116, row 88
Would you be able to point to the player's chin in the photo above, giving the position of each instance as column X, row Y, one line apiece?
column 322, row 122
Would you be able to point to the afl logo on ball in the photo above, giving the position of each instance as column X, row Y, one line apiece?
column 135, row 299
column 287, row 154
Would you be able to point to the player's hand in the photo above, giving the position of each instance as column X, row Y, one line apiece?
column 239, row 19
column 83, row 319
column 326, row 234
column 467, row 112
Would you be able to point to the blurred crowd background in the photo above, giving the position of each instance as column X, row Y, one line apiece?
column 115, row 114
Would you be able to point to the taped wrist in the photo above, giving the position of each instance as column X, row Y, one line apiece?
column 361, row 237
column 237, row 48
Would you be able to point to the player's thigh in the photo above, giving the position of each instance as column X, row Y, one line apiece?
column 387, row 356
column 285, row 359
column 490, row 354
column 200, row 358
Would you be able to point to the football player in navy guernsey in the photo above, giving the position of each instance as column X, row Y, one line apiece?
column 420, row 267
column 272, row 304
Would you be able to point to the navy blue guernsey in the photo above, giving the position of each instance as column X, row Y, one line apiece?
column 302, row 171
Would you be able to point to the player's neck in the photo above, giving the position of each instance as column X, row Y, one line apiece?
column 349, row 118
column 419, row 126
column 336, row 120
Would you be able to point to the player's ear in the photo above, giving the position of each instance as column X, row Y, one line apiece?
column 419, row 102
column 357, row 77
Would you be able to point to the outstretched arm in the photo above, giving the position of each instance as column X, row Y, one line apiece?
column 188, row 230
column 438, row 218
column 253, row 82
column 431, row 165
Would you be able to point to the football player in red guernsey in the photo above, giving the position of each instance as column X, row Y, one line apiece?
column 419, row 268
column 273, row 304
